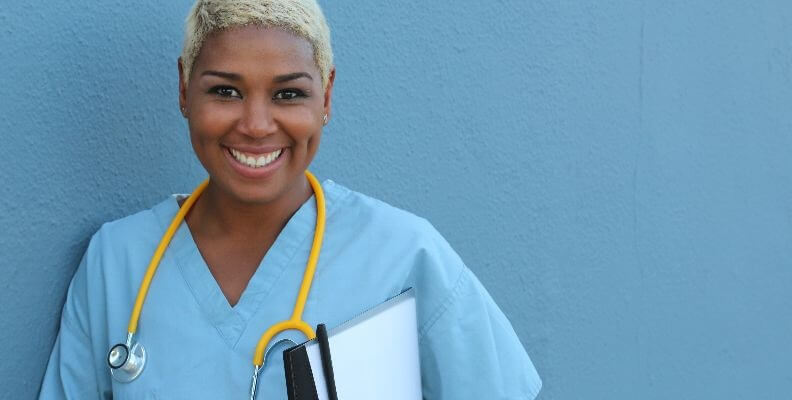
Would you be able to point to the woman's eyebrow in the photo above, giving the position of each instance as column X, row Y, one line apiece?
column 292, row 76
column 227, row 75
column 278, row 79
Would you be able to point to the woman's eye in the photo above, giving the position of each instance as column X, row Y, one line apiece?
column 289, row 94
column 226, row 91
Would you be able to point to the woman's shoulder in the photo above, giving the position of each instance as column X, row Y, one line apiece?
column 118, row 252
column 364, row 213
column 390, row 235
column 136, row 230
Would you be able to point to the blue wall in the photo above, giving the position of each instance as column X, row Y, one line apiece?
column 618, row 174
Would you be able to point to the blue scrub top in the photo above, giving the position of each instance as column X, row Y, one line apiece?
column 199, row 347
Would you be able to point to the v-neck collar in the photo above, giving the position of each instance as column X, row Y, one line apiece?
column 230, row 321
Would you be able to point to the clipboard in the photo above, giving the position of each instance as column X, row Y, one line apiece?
column 373, row 356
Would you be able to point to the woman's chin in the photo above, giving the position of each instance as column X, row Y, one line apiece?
column 246, row 193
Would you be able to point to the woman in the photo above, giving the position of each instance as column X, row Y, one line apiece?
column 256, row 80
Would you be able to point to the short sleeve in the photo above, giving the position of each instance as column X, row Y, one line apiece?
column 470, row 350
column 72, row 369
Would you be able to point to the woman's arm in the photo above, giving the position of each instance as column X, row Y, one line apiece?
column 72, row 372
column 472, row 352
column 468, row 348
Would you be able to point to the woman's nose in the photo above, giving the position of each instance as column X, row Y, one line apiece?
column 258, row 118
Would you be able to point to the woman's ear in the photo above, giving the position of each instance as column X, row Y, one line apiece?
column 328, row 93
column 182, row 89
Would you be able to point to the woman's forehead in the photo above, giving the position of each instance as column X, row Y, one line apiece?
column 257, row 48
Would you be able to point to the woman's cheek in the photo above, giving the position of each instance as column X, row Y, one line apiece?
column 217, row 115
column 303, row 123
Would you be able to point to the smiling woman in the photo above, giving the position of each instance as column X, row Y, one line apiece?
column 256, row 82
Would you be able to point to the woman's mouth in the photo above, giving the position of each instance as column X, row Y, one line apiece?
column 255, row 160
column 257, row 163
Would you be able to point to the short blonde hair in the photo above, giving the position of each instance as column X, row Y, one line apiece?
column 303, row 18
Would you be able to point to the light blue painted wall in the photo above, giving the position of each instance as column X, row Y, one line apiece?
column 617, row 173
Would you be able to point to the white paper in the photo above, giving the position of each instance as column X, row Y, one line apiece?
column 375, row 356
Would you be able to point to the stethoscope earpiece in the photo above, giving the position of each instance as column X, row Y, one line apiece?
column 126, row 365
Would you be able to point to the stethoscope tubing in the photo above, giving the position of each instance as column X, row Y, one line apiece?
column 155, row 259
column 120, row 369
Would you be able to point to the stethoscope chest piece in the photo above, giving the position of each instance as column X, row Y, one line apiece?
column 126, row 364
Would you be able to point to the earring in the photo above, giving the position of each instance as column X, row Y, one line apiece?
column 324, row 119
column 184, row 112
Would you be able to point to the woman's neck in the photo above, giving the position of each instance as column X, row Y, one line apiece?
column 217, row 214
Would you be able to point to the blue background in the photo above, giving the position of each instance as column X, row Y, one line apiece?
column 617, row 174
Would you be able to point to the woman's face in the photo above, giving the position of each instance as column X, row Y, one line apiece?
column 255, row 107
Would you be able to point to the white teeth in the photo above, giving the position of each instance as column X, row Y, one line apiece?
column 256, row 162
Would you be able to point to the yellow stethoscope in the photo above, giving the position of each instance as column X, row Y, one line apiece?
column 126, row 360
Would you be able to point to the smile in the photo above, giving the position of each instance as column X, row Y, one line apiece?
column 255, row 160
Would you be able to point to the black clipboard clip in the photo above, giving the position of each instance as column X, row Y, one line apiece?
column 300, row 384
